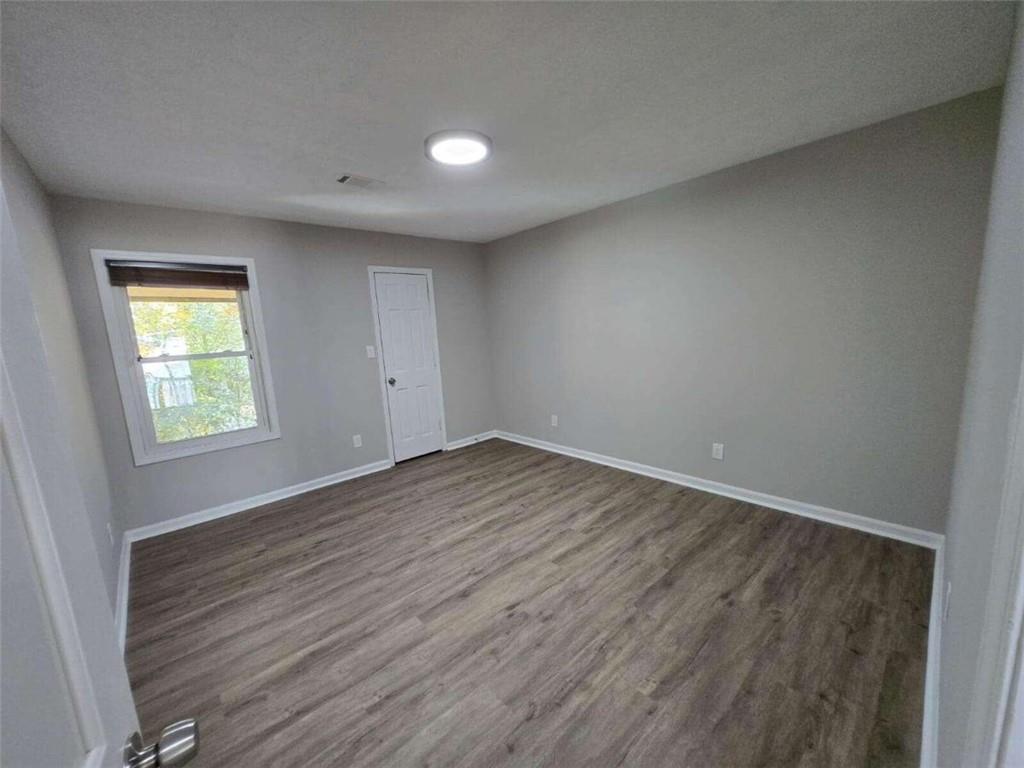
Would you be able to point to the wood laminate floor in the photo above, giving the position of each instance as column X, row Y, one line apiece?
column 503, row 606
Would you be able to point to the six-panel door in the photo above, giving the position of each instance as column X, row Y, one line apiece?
column 410, row 363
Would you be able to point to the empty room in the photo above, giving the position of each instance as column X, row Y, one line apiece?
column 481, row 384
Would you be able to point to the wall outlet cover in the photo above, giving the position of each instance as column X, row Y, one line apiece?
column 357, row 441
column 718, row 451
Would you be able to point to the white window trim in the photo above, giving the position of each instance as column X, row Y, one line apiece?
column 121, row 333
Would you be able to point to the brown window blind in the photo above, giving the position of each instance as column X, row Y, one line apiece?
column 158, row 273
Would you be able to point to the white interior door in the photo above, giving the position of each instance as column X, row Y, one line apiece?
column 408, row 339
column 52, row 710
column 39, row 725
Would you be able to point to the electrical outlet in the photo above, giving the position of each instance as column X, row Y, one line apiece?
column 357, row 441
column 554, row 420
column 370, row 351
column 718, row 451
column 110, row 534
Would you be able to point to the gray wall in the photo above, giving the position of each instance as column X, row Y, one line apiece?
column 315, row 296
column 33, row 230
column 36, row 379
column 978, row 563
column 811, row 310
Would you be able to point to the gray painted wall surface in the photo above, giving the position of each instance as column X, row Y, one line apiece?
column 978, row 568
column 811, row 310
column 315, row 297
column 47, row 442
column 33, row 225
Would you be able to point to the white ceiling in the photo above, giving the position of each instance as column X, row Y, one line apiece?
column 258, row 107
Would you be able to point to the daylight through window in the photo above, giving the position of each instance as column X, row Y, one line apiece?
column 192, row 347
column 191, row 372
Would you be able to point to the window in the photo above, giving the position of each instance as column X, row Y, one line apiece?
column 188, row 349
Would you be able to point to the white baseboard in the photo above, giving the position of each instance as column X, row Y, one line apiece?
column 205, row 515
column 462, row 442
column 905, row 533
column 233, row 507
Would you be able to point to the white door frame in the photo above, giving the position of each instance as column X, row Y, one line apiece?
column 429, row 273
column 1003, row 627
column 52, row 581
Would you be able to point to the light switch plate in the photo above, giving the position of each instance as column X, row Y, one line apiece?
column 718, row 451
column 370, row 351
column 554, row 420
column 357, row 441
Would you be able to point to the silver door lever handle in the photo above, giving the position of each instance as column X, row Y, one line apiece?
column 178, row 743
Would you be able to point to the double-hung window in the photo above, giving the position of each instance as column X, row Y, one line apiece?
column 189, row 351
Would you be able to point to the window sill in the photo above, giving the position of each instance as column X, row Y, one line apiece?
column 199, row 446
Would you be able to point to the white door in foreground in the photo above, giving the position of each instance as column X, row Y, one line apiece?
column 408, row 340
column 39, row 724
column 57, row 705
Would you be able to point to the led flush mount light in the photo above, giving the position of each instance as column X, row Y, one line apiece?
column 457, row 147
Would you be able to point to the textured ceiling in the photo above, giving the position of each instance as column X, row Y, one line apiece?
column 258, row 107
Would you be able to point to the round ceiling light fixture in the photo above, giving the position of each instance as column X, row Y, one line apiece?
column 457, row 147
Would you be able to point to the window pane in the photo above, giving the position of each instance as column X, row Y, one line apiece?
column 196, row 398
column 185, row 321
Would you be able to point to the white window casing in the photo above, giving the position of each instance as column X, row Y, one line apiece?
column 128, row 363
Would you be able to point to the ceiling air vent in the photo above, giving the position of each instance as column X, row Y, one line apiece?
column 359, row 182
